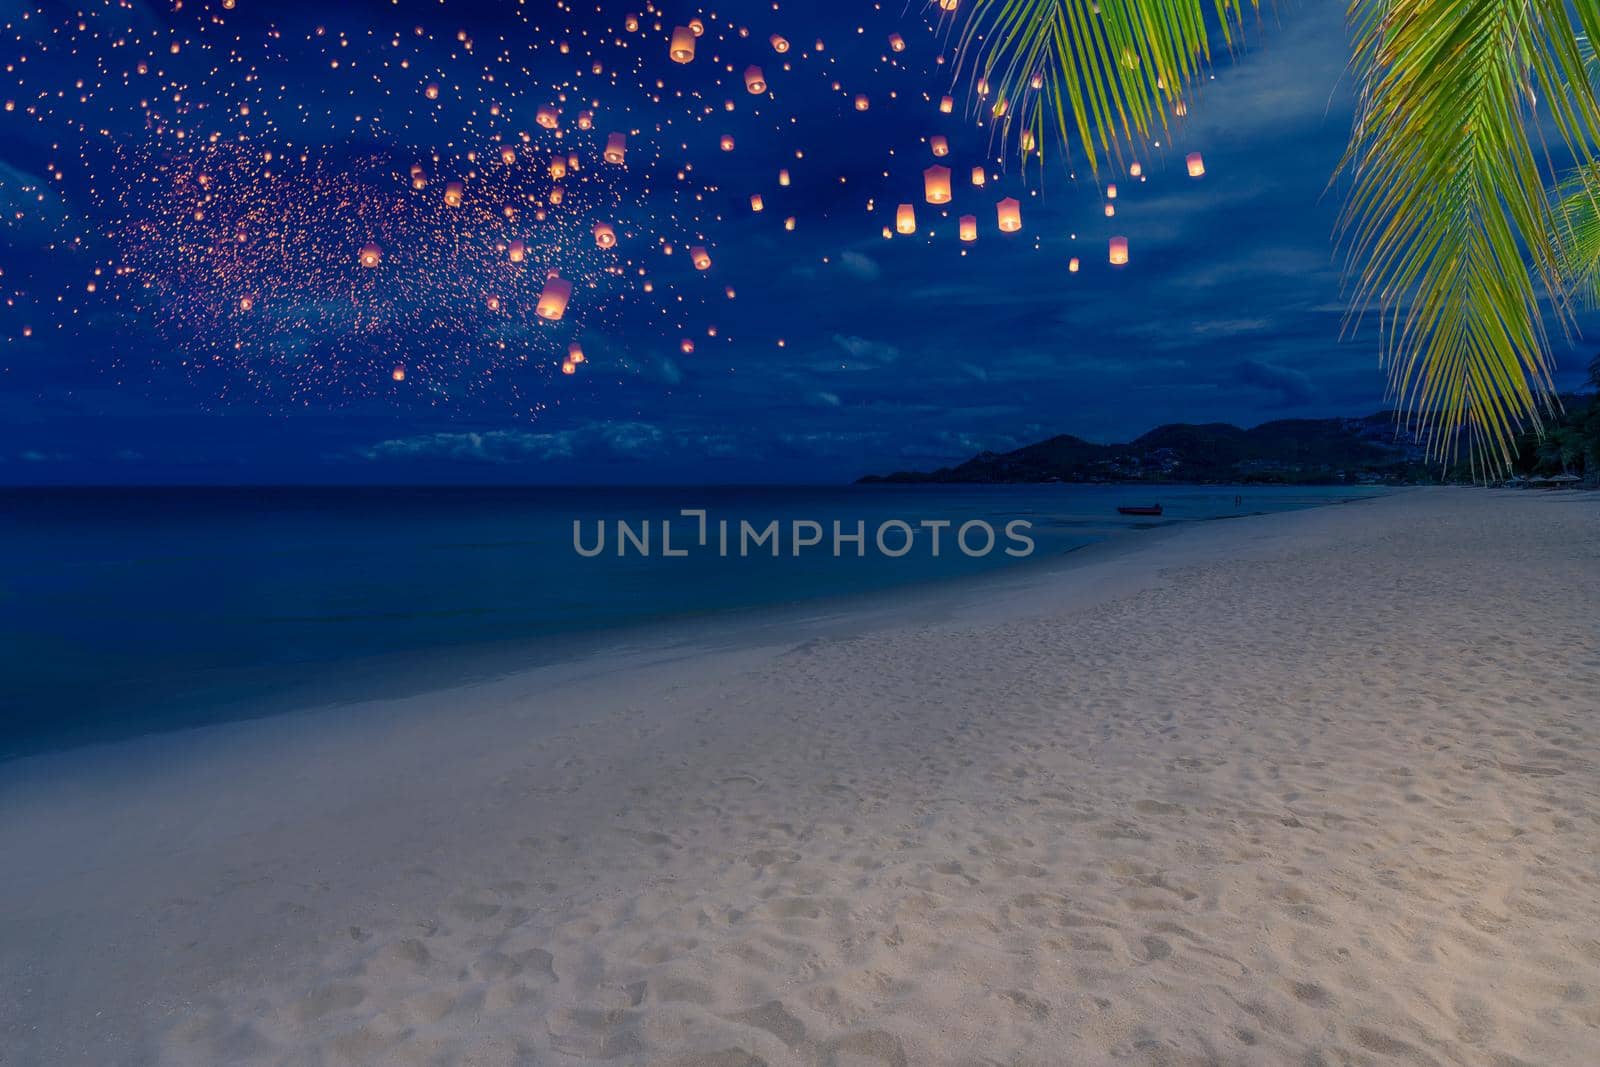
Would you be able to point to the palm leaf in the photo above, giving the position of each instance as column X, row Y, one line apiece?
column 1578, row 217
column 1448, row 225
column 1108, row 73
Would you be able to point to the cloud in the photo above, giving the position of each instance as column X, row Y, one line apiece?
column 860, row 265
column 867, row 350
column 611, row 440
column 1293, row 387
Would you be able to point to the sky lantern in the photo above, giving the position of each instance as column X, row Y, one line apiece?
column 585, row 119
column 1111, row 209
column 978, row 176
column 1009, row 213
column 631, row 23
column 754, row 81
column 936, row 184
column 780, row 44
column 1196, row 164
column 1135, row 170
column 371, row 255
column 788, row 223
column 419, row 179
column 398, row 374
column 493, row 303
column 575, row 353
column 432, row 91
column 517, row 252
column 948, row 5
column 783, row 176
column 969, row 228
column 1072, row 265
column 508, row 155
column 1119, row 251
column 604, row 235
column 1027, row 140
column 557, row 194
column 727, row 142
column 616, row 147
column 755, row 202
column 1111, row 191
column 862, row 103
column 701, row 258
column 697, row 27
column 681, row 48
column 246, row 303
column 940, row 146
column 946, row 104
column 546, row 117
column 686, row 346
column 905, row 219
column 1180, row 109
column 558, row 167
column 568, row 367
column 452, row 194
column 897, row 43
column 1037, row 81
column 553, row 298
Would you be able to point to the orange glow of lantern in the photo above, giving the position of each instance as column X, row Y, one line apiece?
column 616, row 147
column 585, row 120
column 398, row 374
column 1111, row 209
column 432, row 91
column 788, row 223
column 1009, row 213
column 948, row 5
column 546, row 117
column 517, row 252
column 862, row 103
column 553, row 298
column 508, row 155
column 897, row 43
column 1072, row 265
column 557, row 194
column 978, row 176
column 701, row 258
column 755, row 202
column 940, row 146
column 686, row 346
column 558, row 167
column 1180, row 109
column 1118, row 251
column 947, row 104
column 1111, row 191
column 246, row 303
column 697, row 27
column 905, row 219
column 1195, row 163
column 568, row 367
column 727, row 142
column 783, row 176
column 452, row 194
column 604, row 235
column 936, row 184
column 575, row 353
column 371, row 255
column 1135, row 170
column 755, row 82
column 780, row 44
column 969, row 228
column 681, row 48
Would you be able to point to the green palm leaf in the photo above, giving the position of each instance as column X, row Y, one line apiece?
column 1578, row 213
column 1108, row 73
column 1448, row 225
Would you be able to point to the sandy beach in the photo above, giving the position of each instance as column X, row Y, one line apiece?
column 1312, row 788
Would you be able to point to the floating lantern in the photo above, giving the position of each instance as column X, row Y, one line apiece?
column 946, row 104
column 557, row 194
column 948, row 5
column 585, row 119
column 553, row 298
column 517, row 252
column 905, row 219
column 897, row 43
column 727, row 142
column 558, row 168
column 398, row 374
column 779, row 43
column 862, row 103
column 508, row 155
column 783, row 176
column 940, row 146
column 1111, row 209
column 1111, row 191
column 788, row 223
column 1072, row 265
column 1196, row 164
column 969, row 228
column 432, row 91
column 616, row 147
column 419, row 180
column 1119, row 251
column 493, row 303
column 371, row 255
column 575, row 353
column 978, row 176
column 681, row 48
column 1135, row 170
column 546, row 117
column 754, row 81
column 631, row 23
column 755, row 202
column 1027, row 140
column 246, row 303
column 452, row 194
column 686, row 346
column 697, row 27
column 701, row 258
column 568, row 367
column 1037, row 81
column 604, row 235
column 936, row 184
column 1009, row 213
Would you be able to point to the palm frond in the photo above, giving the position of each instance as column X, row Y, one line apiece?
column 1448, row 226
column 1103, row 75
column 1578, row 232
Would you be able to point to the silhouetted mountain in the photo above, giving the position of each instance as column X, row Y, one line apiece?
column 1374, row 449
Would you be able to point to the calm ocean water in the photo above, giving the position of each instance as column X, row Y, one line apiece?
column 125, row 611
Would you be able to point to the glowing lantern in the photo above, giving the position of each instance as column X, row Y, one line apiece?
column 631, row 23
column 1027, row 140
column 575, row 353
column 493, row 303
column 452, row 194
column 788, row 223
column 948, row 5
column 546, row 117
column 398, row 374
column 755, row 202
column 1180, row 109
column 557, row 194
column 1072, row 265
column 371, row 255
column 780, row 45
column 978, row 176
column 508, row 155
column 517, row 252
column 754, row 81
column 246, row 303
column 567, row 367
column 897, row 43
column 936, row 184
column 940, row 146
column 553, row 298
column 681, row 49
column 905, row 219
column 1010, row 215
column 701, row 258
column 616, row 147
column 686, row 346
column 946, row 104
column 1119, row 251
column 727, row 142
column 1135, row 170
column 432, row 91
column 1037, row 81
column 1111, row 191
column 862, row 103
column 969, row 228
column 783, row 176
column 1196, row 164
column 558, row 168
column 604, row 235
column 419, row 180
column 585, row 119
column 697, row 27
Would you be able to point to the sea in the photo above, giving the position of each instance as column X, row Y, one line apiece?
column 125, row 611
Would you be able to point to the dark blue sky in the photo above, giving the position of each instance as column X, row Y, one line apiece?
column 895, row 353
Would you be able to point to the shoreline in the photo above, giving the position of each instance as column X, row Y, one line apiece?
column 934, row 830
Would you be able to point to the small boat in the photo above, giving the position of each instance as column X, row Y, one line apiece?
column 1139, row 509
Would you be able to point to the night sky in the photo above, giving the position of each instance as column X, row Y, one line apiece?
column 187, row 193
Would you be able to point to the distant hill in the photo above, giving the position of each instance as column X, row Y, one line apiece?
column 1371, row 450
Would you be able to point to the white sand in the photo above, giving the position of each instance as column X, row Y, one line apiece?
column 1317, row 788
